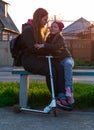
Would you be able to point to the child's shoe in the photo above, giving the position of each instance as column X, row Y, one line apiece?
column 70, row 99
column 68, row 92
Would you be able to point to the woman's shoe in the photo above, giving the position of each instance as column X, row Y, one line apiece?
column 63, row 104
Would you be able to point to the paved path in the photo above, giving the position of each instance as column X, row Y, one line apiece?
column 36, row 121
column 7, row 76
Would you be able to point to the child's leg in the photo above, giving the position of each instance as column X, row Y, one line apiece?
column 68, row 64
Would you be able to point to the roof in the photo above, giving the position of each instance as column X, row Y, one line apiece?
column 9, row 24
column 80, row 25
column 4, row 2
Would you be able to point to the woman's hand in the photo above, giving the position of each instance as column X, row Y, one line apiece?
column 38, row 46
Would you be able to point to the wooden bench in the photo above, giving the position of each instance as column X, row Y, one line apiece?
column 25, row 78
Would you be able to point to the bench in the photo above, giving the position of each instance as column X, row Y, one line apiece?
column 25, row 77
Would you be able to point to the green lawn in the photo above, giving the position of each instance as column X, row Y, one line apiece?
column 39, row 95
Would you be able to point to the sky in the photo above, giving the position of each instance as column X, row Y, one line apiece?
column 66, row 10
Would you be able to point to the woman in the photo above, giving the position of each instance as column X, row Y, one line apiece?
column 31, row 57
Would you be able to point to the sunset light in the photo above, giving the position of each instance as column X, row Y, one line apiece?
column 66, row 10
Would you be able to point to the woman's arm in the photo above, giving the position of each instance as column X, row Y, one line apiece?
column 28, row 40
column 58, row 44
column 28, row 37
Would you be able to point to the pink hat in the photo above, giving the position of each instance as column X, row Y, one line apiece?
column 60, row 24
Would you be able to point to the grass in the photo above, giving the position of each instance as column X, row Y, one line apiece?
column 83, row 63
column 39, row 95
column 84, row 96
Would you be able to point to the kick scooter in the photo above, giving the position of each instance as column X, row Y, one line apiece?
column 51, row 106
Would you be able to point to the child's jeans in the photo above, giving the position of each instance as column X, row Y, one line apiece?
column 68, row 64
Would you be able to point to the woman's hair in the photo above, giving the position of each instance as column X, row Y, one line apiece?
column 37, row 16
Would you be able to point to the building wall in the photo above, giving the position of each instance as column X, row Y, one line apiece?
column 5, row 55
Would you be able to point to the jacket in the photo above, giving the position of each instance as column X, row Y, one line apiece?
column 56, row 46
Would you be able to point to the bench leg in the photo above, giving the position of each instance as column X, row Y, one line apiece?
column 24, row 86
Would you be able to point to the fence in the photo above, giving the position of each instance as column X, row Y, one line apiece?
column 80, row 49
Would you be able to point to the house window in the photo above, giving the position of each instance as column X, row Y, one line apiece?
column 4, row 37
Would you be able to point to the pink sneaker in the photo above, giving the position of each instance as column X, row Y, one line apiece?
column 68, row 92
column 70, row 99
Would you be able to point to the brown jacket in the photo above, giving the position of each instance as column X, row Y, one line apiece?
column 55, row 46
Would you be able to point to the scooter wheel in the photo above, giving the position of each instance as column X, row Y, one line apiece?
column 54, row 111
column 16, row 108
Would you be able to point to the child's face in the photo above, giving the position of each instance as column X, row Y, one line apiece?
column 54, row 28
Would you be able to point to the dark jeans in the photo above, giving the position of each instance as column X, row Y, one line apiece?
column 39, row 66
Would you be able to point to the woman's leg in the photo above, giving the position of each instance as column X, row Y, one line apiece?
column 40, row 66
column 60, row 77
column 59, row 83
column 61, row 98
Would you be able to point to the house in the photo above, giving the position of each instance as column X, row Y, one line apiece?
column 91, row 28
column 8, row 29
column 80, row 29
column 79, row 37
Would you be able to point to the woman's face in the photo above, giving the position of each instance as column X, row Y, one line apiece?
column 44, row 21
column 54, row 28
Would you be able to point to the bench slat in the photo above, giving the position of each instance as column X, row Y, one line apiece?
column 83, row 72
column 75, row 72
column 20, row 72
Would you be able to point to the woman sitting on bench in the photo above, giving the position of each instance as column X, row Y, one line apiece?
column 33, row 62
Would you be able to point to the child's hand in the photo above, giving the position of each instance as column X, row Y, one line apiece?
column 38, row 46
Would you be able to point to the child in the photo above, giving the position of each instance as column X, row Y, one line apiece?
column 55, row 46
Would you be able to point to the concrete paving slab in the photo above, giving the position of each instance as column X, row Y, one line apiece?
column 65, row 120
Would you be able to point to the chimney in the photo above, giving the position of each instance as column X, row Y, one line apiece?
column 6, row 10
column 4, row 7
